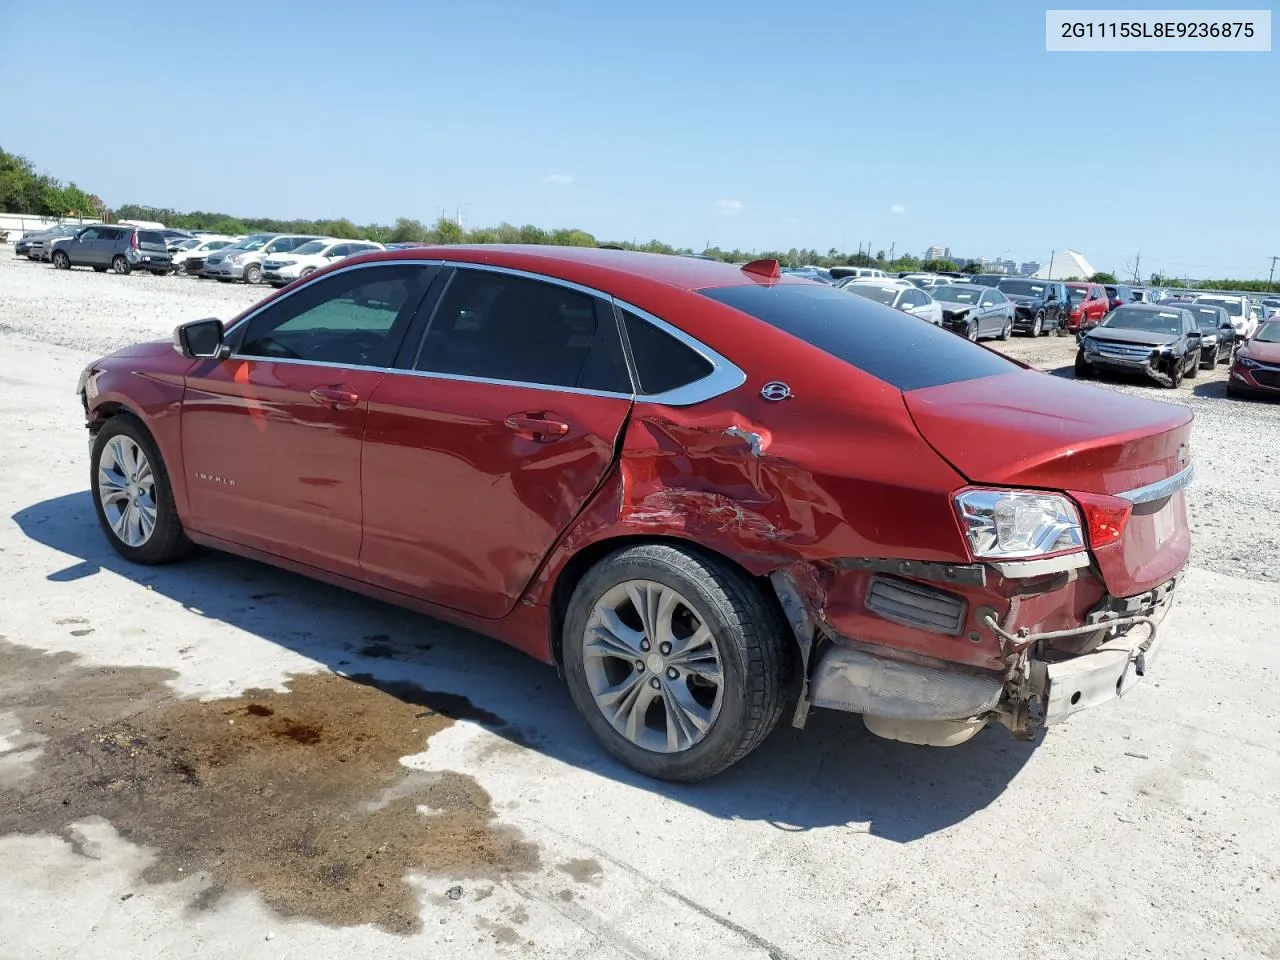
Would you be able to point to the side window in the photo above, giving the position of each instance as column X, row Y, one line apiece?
column 341, row 250
column 90, row 234
column 916, row 298
column 662, row 362
column 343, row 319
column 502, row 327
column 988, row 300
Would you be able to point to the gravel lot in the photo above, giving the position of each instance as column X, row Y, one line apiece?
column 218, row 759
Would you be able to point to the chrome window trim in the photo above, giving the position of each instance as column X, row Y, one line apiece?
column 1162, row 488
column 725, row 375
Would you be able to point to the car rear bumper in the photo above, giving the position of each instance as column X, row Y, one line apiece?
column 934, row 702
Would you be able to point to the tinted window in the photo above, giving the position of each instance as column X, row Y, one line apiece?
column 150, row 236
column 987, row 299
column 1232, row 307
column 110, row 233
column 873, row 292
column 1205, row 317
column 1150, row 321
column 885, row 343
column 500, row 327
column 344, row 318
column 90, row 234
column 663, row 362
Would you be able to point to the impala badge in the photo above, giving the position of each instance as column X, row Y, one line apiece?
column 215, row 479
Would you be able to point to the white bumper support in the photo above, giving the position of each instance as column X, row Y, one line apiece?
column 1093, row 678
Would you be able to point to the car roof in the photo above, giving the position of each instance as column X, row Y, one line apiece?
column 592, row 265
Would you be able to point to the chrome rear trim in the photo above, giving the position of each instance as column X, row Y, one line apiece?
column 1162, row 488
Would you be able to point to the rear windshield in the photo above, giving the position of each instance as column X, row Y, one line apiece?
column 1232, row 307
column 1022, row 288
column 902, row 350
column 150, row 236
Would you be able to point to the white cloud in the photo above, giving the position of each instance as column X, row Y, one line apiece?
column 558, row 178
column 897, row 208
column 729, row 206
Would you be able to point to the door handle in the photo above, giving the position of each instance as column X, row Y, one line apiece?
column 337, row 396
column 537, row 427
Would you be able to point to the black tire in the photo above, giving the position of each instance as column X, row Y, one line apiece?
column 1176, row 375
column 1007, row 331
column 1193, row 370
column 168, row 541
column 1210, row 363
column 61, row 260
column 1083, row 371
column 120, row 265
column 307, row 271
column 253, row 273
column 751, row 636
column 1037, row 325
column 971, row 333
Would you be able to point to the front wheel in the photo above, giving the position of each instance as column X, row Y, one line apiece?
column 132, row 495
column 120, row 265
column 1193, row 369
column 1083, row 371
column 1007, row 331
column 252, row 273
column 61, row 260
column 1037, row 325
column 675, row 660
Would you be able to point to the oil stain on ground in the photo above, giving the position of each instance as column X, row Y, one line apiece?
column 298, row 796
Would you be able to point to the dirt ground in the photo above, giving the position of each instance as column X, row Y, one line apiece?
column 218, row 759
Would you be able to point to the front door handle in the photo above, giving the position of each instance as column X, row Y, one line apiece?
column 537, row 427
column 337, row 396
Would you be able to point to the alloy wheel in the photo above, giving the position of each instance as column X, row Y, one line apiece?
column 127, row 491
column 653, row 666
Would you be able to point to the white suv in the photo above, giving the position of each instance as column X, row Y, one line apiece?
column 1241, row 311
column 310, row 257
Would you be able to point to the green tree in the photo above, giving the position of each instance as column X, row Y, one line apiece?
column 936, row 266
column 971, row 267
column 1103, row 277
column 447, row 231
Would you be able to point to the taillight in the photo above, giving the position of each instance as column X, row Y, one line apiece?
column 1104, row 517
column 133, row 240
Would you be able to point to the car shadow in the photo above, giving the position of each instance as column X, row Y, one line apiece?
column 832, row 773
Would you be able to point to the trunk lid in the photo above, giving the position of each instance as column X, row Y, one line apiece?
column 1030, row 429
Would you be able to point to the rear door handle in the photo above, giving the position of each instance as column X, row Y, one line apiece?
column 337, row 396
column 537, row 427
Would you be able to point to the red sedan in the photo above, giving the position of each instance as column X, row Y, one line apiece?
column 703, row 491
column 1089, row 304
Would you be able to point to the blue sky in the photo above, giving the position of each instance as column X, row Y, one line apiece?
column 759, row 125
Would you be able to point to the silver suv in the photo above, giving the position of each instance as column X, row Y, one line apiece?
column 243, row 259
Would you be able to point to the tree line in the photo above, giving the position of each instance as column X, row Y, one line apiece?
column 24, row 190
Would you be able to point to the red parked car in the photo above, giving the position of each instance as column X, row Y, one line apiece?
column 1255, row 368
column 1089, row 304
column 704, row 491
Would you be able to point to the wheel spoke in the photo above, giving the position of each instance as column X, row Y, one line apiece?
column 687, row 720
column 610, row 637
column 121, row 523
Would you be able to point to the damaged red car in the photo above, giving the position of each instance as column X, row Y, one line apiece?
column 709, row 494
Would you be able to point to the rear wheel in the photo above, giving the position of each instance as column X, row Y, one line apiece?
column 252, row 273
column 120, row 265
column 675, row 660
column 132, row 495
column 61, row 260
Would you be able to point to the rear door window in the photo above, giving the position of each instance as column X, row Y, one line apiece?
column 496, row 326
column 881, row 341
column 662, row 362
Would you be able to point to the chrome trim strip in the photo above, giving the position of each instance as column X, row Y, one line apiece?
column 1162, row 488
column 1019, row 569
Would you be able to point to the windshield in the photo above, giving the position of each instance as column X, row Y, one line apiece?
column 1269, row 332
column 1022, row 288
column 1077, row 294
column 1206, row 317
column 951, row 294
column 1232, row 307
column 872, row 292
column 310, row 247
column 250, row 243
column 1148, row 321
